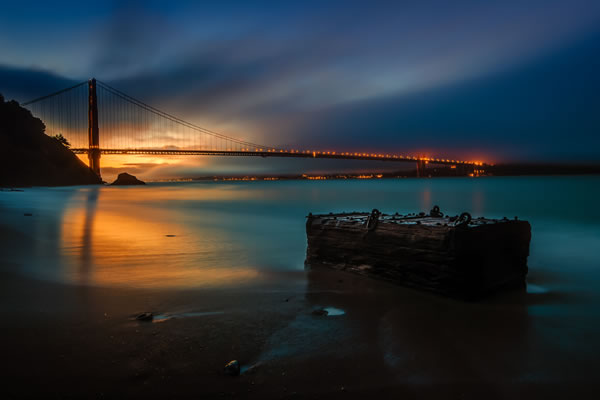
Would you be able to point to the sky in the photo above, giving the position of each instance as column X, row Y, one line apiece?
column 498, row 81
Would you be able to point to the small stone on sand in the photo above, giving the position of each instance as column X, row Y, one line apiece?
column 232, row 368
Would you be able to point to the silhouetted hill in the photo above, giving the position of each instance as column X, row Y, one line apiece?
column 543, row 169
column 28, row 157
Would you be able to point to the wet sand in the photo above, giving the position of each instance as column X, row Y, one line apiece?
column 81, row 341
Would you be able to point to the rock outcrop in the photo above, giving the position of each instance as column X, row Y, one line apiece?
column 126, row 179
column 29, row 157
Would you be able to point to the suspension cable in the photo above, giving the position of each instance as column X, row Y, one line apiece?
column 177, row 120
column 53, row 94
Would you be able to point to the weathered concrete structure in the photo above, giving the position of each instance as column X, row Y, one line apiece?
column 455, row 256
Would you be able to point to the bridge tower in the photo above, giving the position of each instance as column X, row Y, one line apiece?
column 93, row 133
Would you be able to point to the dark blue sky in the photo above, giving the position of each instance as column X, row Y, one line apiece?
column 506, row 80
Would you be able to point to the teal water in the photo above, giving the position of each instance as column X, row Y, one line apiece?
column 231, row 236
column 239, row 233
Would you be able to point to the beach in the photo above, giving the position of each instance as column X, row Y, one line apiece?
column 69, row 296
column 82, row 341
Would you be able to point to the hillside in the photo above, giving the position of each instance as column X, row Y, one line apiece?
column 28, row 157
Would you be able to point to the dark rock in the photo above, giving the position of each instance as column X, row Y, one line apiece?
column 145, row 316
column 127, row 179
column 27, row 215
column 232, row 368
column 321, row 312
column 29, row 157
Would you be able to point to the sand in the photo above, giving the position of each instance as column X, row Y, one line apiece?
column 81, row 341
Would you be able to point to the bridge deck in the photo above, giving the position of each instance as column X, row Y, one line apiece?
column 280, row 153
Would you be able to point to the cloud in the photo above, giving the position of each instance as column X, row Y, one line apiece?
column 129, row 40
column 312, row 57
column 23, row 84
column 546, row 109
column 486, row 79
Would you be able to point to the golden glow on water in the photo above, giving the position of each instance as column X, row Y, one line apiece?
column 118, row 241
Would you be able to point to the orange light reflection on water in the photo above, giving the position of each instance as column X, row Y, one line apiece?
column 117, row 242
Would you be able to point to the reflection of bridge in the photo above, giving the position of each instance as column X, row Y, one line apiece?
column 130, row 126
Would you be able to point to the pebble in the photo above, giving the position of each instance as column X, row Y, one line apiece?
column 232, row 368
column 145, row 316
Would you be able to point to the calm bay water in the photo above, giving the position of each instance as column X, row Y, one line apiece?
column 228, row 234
column 249, row 236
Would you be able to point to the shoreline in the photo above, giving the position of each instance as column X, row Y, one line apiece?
column 286, row 179
column 328, row 177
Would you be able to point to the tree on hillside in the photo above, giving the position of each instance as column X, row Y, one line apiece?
column 62, row 140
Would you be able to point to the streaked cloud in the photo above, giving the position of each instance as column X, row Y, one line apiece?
column 496, row 79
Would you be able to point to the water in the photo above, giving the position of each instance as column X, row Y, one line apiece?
column 230, row 236
column 243, row 233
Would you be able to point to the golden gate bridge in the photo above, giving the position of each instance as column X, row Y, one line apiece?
column 129, row 126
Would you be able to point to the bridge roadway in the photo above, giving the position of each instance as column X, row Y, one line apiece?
column 284, row 153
